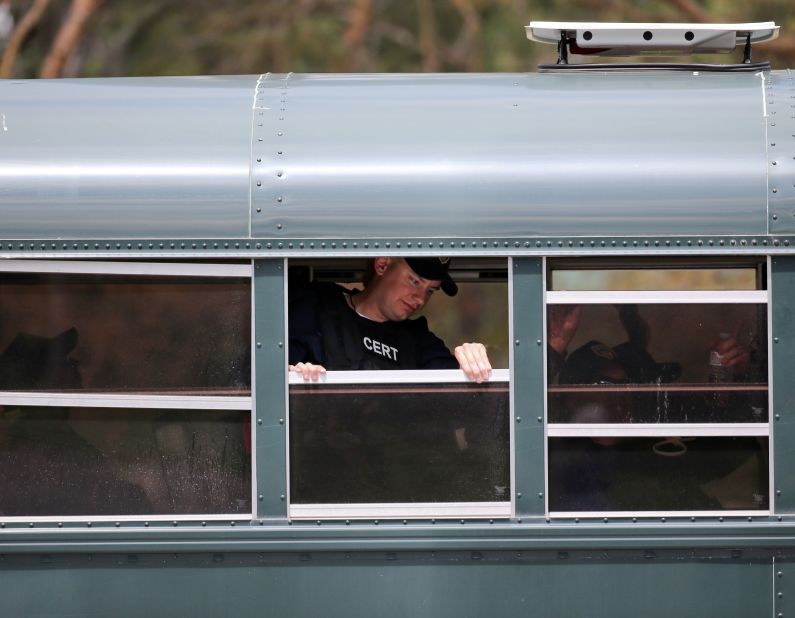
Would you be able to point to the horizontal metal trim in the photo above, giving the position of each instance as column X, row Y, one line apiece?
column 617, row 244
column 413, row 376
column 637, row 514
column 663, row 387
column 102, row 400
column 722, row 529
column 55, row 519
column 445, row 510
column 366, row 253
column 126, row 268
column 646, row 297
column 656, row 430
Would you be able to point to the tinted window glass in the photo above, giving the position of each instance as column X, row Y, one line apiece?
column 666, row 363
column 656, row 279
column 93, row 461
column 399, row 443
column 658, row 474
column 124, row 333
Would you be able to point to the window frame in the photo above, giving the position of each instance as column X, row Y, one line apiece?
column 401, row 510
column 763, row 295
column 89, row 399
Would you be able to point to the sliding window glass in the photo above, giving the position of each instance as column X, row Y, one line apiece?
column 657, row 396
column 124, row 389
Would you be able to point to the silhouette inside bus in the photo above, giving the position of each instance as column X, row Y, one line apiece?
column 609, row 473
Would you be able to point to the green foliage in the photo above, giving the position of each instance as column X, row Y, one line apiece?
column 168, row 37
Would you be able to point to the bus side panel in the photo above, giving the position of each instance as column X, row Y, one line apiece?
column 235, row 585
column 783, row 356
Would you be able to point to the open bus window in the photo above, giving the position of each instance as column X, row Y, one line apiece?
column 652, row 353
column 124, row 389
column 380, row 437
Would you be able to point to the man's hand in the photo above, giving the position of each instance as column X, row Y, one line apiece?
column 562, row 324
column 734, row 354
column 474, row 361
column 308, row 370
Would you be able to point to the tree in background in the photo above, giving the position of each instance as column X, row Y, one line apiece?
column 52, row 38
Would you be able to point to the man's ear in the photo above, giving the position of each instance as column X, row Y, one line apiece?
column 381, row 264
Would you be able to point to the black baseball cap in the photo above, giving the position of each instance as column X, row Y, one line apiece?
column 435, row 269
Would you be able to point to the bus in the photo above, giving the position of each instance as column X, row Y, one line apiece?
column 623, row 238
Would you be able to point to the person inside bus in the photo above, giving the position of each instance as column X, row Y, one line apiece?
column 335, row 328
column 564, row 320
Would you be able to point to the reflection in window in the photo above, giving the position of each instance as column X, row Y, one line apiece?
column 658, row 474
column 124, row 333
column 638, row 354
column 399, row 443
column 662, row 363
column 93, row 461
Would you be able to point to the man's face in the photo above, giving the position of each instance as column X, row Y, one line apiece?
column 402, row 292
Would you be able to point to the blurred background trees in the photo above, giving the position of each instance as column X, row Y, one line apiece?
column 99, row 38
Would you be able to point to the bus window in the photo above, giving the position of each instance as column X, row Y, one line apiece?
column 657, row 395
column 124, row 389
column 125, row 333
column 408, row 441
column 385, row 439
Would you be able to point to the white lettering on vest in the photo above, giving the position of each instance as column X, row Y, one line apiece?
column 382, row 349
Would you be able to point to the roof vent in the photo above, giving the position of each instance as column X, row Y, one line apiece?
column 615, row 39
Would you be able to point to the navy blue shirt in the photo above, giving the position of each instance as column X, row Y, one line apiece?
column 325, row 330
